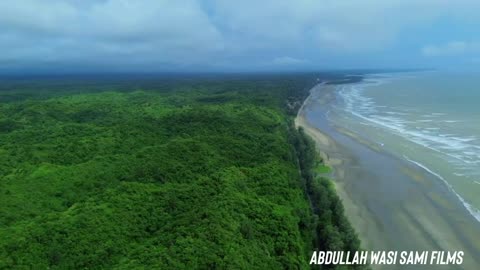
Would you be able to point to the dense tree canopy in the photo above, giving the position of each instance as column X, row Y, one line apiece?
column 176, row 174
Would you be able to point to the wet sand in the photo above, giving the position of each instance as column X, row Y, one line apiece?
column 392, row 203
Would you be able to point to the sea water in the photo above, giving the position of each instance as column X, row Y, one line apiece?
column 431, row 119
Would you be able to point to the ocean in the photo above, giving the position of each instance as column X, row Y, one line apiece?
column 430, row 119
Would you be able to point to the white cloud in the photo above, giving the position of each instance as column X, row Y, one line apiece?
column 206, row 33
column 451, row 48
column 333, row 25
column 149, row 30
column 475, row 60
column 287, row 61
column 42, row 17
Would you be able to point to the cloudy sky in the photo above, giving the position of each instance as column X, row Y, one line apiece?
column 237, row 35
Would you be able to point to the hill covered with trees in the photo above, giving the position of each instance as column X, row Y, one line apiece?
column 146, row 173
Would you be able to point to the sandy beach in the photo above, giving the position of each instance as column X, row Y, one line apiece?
column 392, row 203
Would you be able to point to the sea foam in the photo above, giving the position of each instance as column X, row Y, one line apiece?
column 461, row 151
column 471, row 209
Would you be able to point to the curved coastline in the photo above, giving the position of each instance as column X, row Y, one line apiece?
column 393, row 204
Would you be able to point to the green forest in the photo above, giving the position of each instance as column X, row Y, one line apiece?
column 163, row 173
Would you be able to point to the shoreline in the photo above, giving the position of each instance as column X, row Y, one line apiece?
column 391, row 204
column 326, row 146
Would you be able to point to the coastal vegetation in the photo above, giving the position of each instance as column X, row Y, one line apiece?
column 333, row 232
column 183, row 173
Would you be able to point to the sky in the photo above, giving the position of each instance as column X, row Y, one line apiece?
column 241, row 35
